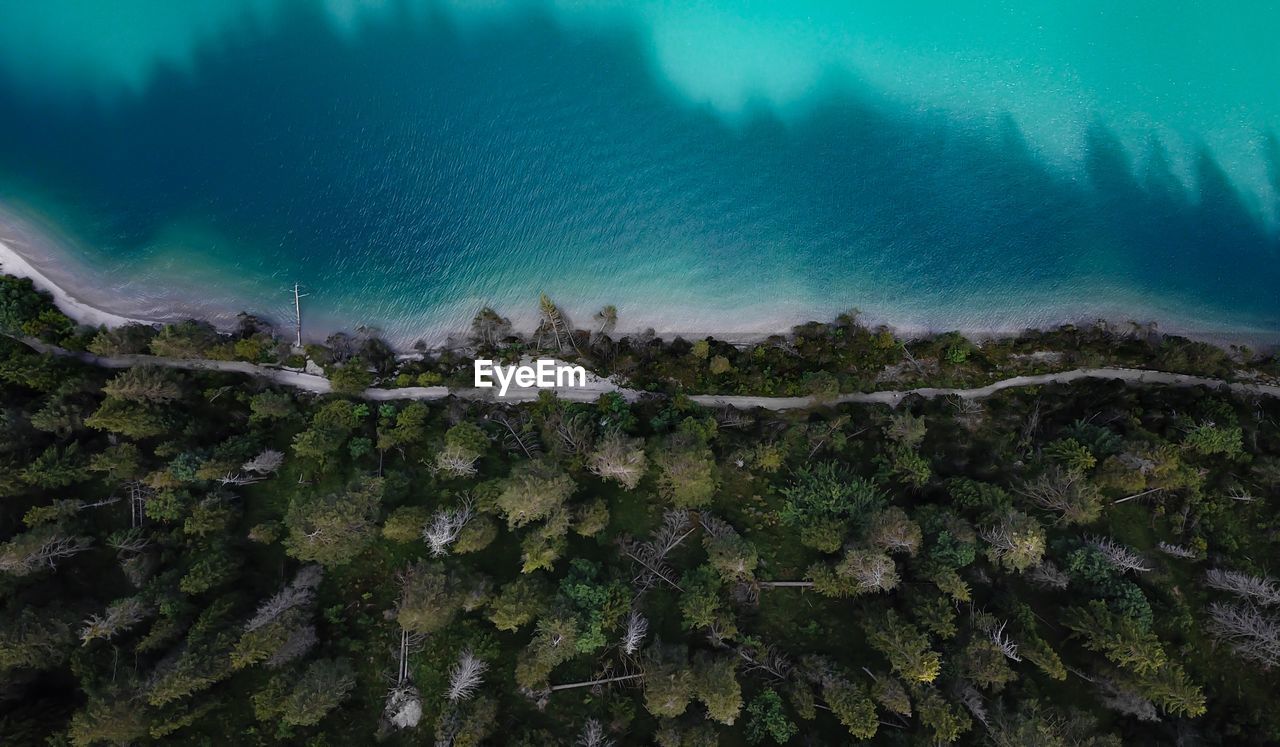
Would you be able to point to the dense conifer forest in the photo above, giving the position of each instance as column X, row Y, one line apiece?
column 203, row 558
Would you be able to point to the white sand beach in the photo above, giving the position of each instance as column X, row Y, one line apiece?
column 13, row 263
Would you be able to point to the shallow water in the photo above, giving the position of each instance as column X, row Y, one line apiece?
column 712, row 167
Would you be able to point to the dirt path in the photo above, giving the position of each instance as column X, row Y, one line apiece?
column 596, row 386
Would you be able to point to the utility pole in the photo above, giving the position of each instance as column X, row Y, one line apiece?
column 297, row 311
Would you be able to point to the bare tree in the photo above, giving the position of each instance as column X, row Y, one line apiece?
column 1006, row 644
column 118, row 617
column 301, row 640
column 1048, row 575
column 516, row 437
column 768, row 660
column 574, row 431
column 1064, row 492
column 1237, row 493
column 445, row 527
column 1120, row 557
column 139, row 495
column 597, row 683
column 619, row 458
column 1125, row 701
column 892, row 531
column 456, row 461
column 1264, row 591
column 1177, row 551
column 731, row 417
column 238, row 479
column 466, row 676
column 967, row 410
column 593, row 735
column 297, row 594
column 41, row 547
column 489, row 328
column 870, row 570
column 972, row 700
column 404, row 707
column 606, row 320
column 1029, row 428
column 553, row 328
column 129, row 541
column 1251, row 633
column 633, row 636
column 268, row 462
column 651, row 555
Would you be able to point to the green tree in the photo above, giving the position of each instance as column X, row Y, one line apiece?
column 115, row 719
column 701, row 603
column 211, row 568
column 668, row 682
column 202, row 662
column 733, row 557
column 686, row 471
column 320, row 689
column 333, row 529
column 61, row 415
column 127, row 339
column 715, row 683
column 518, row 602
column 1071, row 454
column 328, row 431
column 533, row 491
column 598, row 603
column 431, row 597
column 906, row 465
column 823, row 499
column 947, row 722
column 852, row 705
column 906, row 648
column 27, row 312
column 478, row 534
column 266, row 407
column 1170, row 688
column 1208, row 439
column 34, row 639
column 984, row 664
column 1123, row 640
column 189, row 339
column 144, row 384
column 591, row 518
column 405, row 524
column 554, row 642
column 1016, row 542
column 132, row 419
column 766, row 719
column 351, row 378
column 120, row 461
column 56, row 468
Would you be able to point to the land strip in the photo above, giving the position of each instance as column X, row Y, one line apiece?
column 596, row 386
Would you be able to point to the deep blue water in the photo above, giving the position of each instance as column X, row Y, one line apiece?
column 408, row 170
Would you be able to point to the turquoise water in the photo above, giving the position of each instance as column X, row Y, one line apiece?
column 705, row 166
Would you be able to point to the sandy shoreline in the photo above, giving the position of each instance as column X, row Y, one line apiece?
column 13, row 263
column 26, row 252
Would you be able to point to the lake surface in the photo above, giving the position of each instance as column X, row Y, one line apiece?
column 705, row 166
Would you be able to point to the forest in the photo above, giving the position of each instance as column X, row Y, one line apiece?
column 204, row 558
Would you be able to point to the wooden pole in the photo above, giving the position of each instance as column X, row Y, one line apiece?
column 297, row 311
